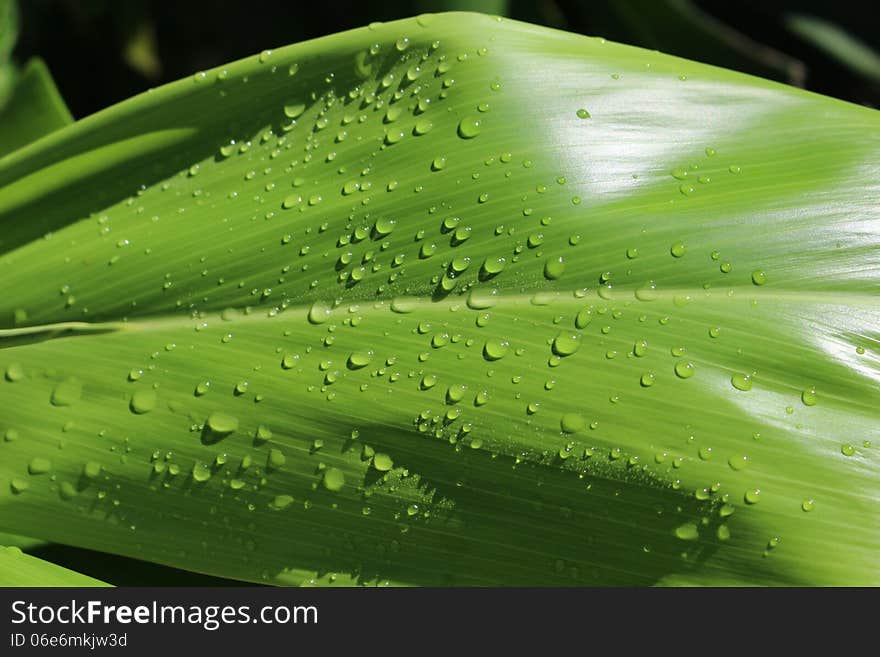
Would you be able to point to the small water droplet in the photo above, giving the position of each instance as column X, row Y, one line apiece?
column 809, row 397
column 741, row 381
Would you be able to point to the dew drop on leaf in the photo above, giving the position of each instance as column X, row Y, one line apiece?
column 66, row 393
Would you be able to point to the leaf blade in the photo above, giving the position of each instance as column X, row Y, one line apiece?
column 509, row 501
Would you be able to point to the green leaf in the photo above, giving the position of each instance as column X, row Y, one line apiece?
column 8, row 35
column 20, row 569
column 22, row 542
column 383, row 308
column 34, row 110
column 836, row 42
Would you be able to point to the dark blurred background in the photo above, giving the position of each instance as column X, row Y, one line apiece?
column 103, row 51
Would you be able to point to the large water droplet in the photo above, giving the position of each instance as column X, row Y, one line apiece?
column 495, row 349
column 334, row 479
column 565, row 344
column 382, row 462
column 142, row 401
column 554, row 268
column 66, row 393
column 319, row 313
column 39, row 465
column 221, row 423
column 572, row 423
column 469, row 127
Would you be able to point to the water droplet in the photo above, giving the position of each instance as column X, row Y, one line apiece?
column 809, row 397
column 572, row 423
column 565, row 344
column 687, row 532
column 382, row 462
column 583, row 318
column 66, row 393
column 752, row 496
column 383, row 227
column 142, row 401
column 469, row 127
column 808, row 505
column 92, row 470
column 481, row 298
column 647, row 292
column 554, row 268
column 422, row 127
column 738, row 462
column 276, row 459
column 334, row 479
column 221, row 423
column 18, row 486
column 492, row 266
column 583, row 114
column 495, row 349
column 684, row 369
column 359, row 359
column 455, row 393
column 847, row 449
column 39, row 465
column 14, row 372
column 759, row 277
column 741, row 382
column 281, row 502
column 319, row 313
column 294, row 110
column 678, row 249
column 647, row 379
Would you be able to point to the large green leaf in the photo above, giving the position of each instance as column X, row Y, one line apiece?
column 383, row 307
column 19, row 569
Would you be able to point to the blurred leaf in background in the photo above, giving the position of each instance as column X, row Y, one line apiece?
column 128, row 47
column 8, row 32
